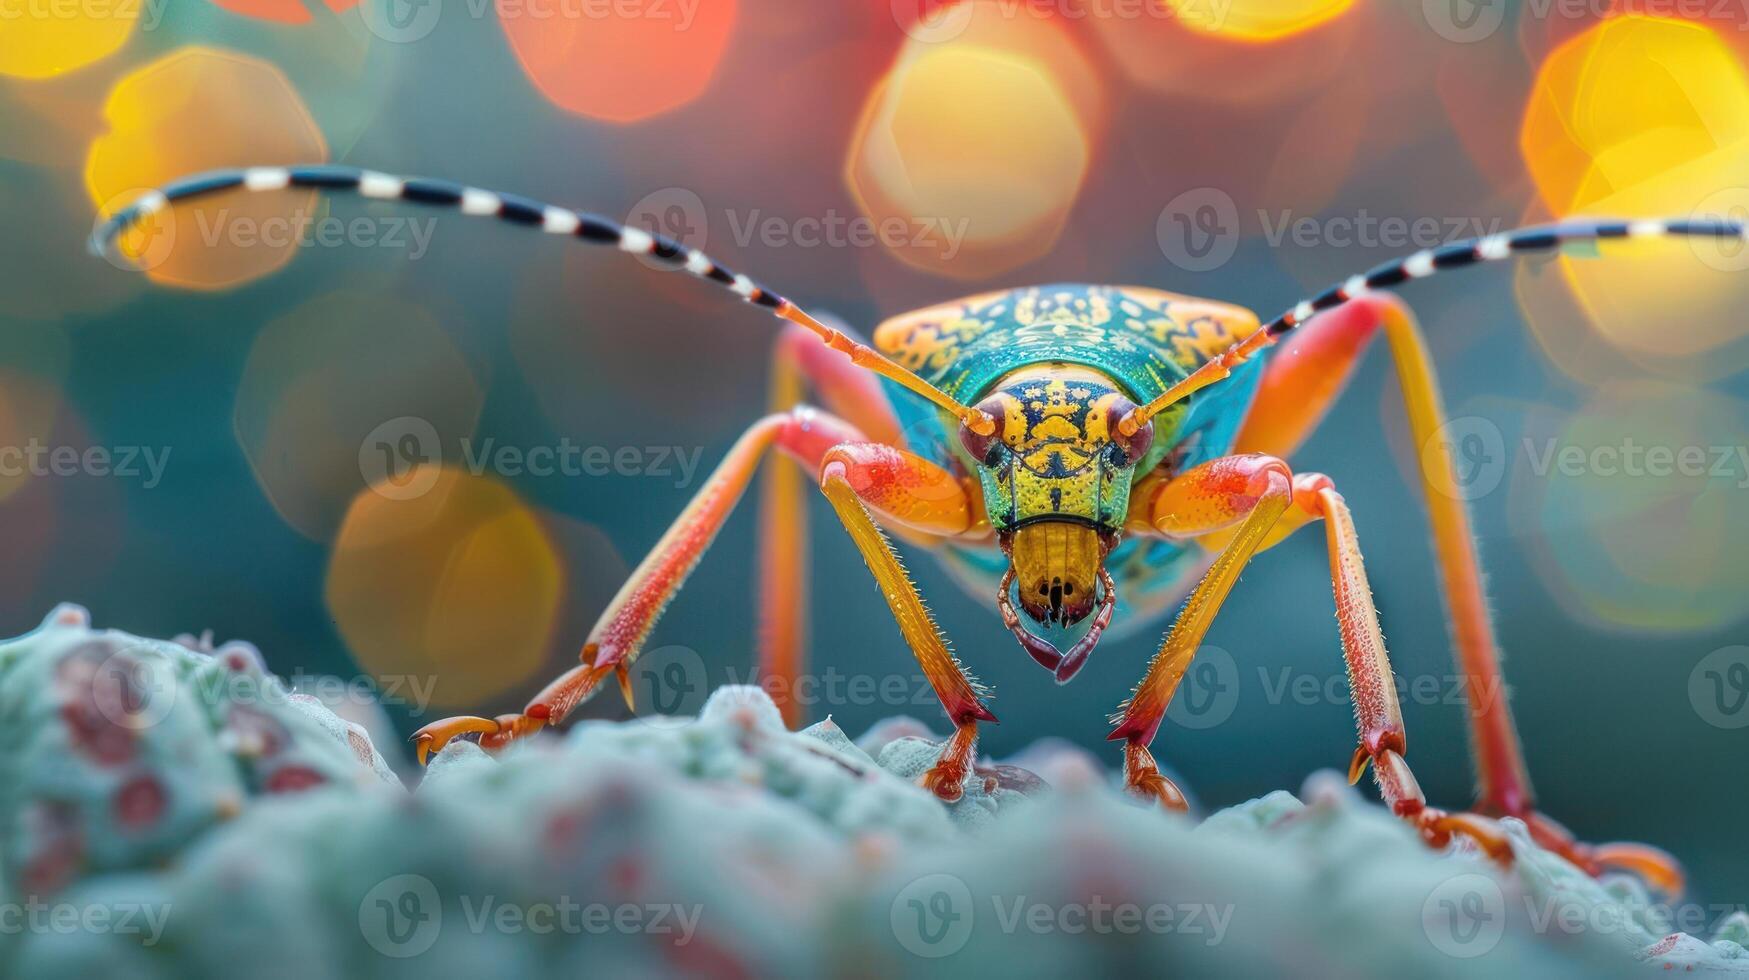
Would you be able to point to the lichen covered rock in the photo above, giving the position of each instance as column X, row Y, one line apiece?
column 116, row 751
column 721, row 846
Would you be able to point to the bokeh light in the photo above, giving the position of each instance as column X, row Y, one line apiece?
column 1161, row 51
column 349, row 387
column 1625, row 103
column 52, row 125
column 281, row 11
column 42, row 39
column 457, row 587
column 1647, row 117
column 974, row 151
column 618, row 65
column 1634, row 516
column 42, row 285
column 1257, row 20
column 197, row 109
column 29, row 406
column 59, row 524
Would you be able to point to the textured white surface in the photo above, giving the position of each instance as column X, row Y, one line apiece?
column 762, row 852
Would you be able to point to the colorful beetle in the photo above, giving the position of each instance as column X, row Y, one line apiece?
column 1060, row 447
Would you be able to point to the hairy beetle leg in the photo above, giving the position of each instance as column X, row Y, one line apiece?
column 1298, row 388
column 911, row 492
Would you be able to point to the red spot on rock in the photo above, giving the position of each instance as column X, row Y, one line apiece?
column 627, row 874
column 96, row 737
column 294, row 779
column 61, row 851
column 258, row 734
column 140, row 802
column 703, row 956
column 563, row 831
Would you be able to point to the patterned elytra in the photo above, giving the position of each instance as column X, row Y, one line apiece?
column 1145, row 339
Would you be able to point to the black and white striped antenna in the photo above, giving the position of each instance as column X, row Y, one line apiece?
column 1425, row 263
column 581, row 225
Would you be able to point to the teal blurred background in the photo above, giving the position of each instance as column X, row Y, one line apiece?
column 867, row 162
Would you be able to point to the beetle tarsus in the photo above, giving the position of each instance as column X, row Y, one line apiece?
column 1143, row 778
column 946, row 779
column 495, row 733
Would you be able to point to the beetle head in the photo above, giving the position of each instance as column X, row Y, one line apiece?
column 1056, row 480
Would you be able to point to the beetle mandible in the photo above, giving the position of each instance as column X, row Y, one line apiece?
column 1060, row 447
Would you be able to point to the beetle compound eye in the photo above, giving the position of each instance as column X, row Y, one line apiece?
column 1133, row 447
column 983, row 447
